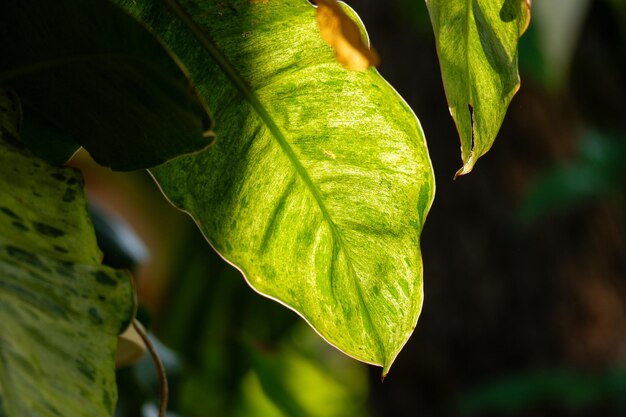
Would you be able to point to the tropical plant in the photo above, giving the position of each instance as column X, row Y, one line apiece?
column 299, row 163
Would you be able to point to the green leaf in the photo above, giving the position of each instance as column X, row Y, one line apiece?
column 477, row 47
column 60, row 311
column 88, row 74
column 298, row 384
column 319, row 184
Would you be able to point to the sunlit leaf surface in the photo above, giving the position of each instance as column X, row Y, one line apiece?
column 88, row 74
column 60, row 311
column 319, row 183
column 477, row 46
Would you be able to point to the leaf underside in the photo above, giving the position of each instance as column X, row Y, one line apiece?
column 319, row 183
column 477, row 47
column 90, row 75
column 60, row 311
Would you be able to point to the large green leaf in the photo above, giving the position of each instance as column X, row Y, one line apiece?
column 477, row 46
column 60, row 311
column 320, row 181
column 89, row 74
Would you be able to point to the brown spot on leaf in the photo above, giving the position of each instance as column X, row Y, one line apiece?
column 22, row 227
column 25, row 257
column 9, row 213
column 95, row 315
column 86, row 370
column 47, row 230
column 58, row 176
column 104, row 279
column 70, row 195
column 106, row 400
column 60, row 249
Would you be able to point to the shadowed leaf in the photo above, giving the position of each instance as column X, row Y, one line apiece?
column 88, row 74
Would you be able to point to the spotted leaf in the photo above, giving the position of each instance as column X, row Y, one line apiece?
column 60, row 310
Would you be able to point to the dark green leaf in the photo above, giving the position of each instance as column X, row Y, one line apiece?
column 88, row 74
column 319, row 185
column 477, row 46
column 60, row 311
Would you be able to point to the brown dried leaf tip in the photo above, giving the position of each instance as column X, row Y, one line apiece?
column 343, row 35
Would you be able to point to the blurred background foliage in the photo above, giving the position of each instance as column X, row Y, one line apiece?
column 525, row 258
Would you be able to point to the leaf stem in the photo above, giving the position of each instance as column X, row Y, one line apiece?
column 164, row 390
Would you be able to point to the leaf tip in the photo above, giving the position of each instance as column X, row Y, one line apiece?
column 467, row 167
column 385, row 372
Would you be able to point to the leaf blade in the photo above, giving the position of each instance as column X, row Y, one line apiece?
column 285, row 196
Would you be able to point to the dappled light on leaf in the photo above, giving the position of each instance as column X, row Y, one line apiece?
column 341, row 33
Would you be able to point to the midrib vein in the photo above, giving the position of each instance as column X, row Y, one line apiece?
column 245, row 90
column 241, row 85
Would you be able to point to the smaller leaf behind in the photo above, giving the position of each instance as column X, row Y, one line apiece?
column 90, row 75
column 477, row 46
